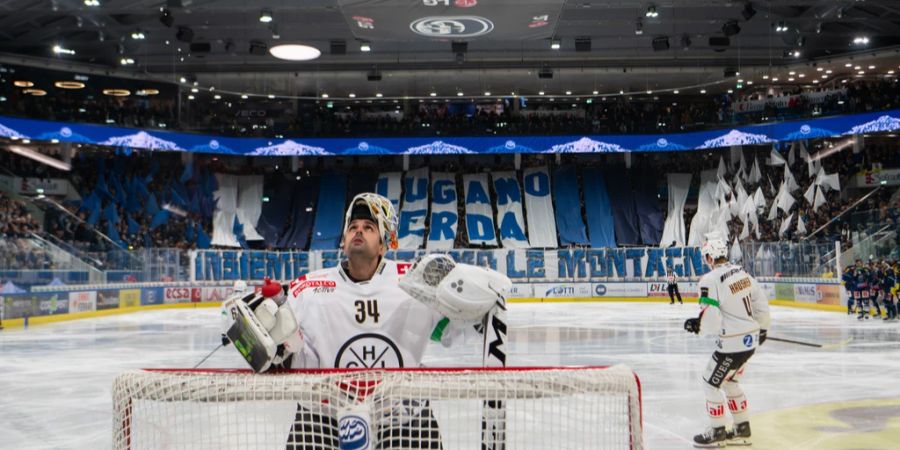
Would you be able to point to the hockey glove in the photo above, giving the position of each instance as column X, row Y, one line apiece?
column 263, row 331
column 762, row 337
column 692, row 325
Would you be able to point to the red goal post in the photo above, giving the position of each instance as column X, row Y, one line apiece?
column 541, row 407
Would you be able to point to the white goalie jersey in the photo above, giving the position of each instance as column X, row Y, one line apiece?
column 734, row 308
column 369, row 324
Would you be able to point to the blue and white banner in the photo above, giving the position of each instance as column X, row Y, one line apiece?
column 226, row 198
column 479, row 212
column 509, row 210
column 390, row 186
column 43, row 130
column 539, row 207
column 411, row 231
column 444, row 215
column 520, row 265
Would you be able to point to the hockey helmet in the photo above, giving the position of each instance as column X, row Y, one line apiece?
column 715, row 248
column 378, row 209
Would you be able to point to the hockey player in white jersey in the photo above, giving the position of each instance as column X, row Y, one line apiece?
column 735, row 310
column 360, row 315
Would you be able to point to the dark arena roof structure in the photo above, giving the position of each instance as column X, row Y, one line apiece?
column 452, row 47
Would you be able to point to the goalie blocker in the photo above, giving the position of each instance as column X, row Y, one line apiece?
column 263, row 327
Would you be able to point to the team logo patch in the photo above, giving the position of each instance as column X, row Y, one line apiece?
column 368, row 351
column 319, row 286
column 748, row 341
column 354, row 433
column 452, row 26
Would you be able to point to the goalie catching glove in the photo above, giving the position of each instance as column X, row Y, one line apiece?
column 458, row 291
column 263, row 328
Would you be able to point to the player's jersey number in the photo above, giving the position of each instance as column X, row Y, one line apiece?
column 366, row 309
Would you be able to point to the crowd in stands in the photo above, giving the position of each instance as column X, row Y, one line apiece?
column 16, row 226
column 539, row 115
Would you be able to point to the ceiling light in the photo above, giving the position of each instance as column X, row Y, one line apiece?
column 62, row 51
column 195, row 90
column 750, row 82
column 651, row 11
column 433, row 94
column 781, row 27
column 801, row 75
column 365, row 47
column 379, row 94
column 828, row 71
column 351, row 95
column 554, row 44
column 244, row 96
column 649, row 92
column 265, row 16
column 568, row 92
column 843, row 81
column 792, row 73
column 819, row 69
column 91, row 2
column 702, row 91
column 596, row 92
column 23, row 83
column 621, row 92
column 824, row 76
column 871, row 67
column 35, row 92
column 146, row 92
column 815, row 81
column 765, row 77
column 730, row 91
column 69, row 84
column 796, row 53
column 217, row 97
column 890, row 72
column 138, row 35
column 487, row 92
column 848, row 65
column 271, row 95
column 324, row 95
column 675, row 91
column 774, row 78
column 459, row 94
column 190, row 97
column 126, row 61
column 295, row 52
column 791, row 79
column 857, row 68
column 861, row 72
column 117, row 92
column 860, row 40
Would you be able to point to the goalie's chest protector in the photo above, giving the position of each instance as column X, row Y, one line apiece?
column 370, row 324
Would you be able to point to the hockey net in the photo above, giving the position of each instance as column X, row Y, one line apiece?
column 536, row 408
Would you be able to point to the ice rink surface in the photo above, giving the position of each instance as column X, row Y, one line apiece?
column 56, row 379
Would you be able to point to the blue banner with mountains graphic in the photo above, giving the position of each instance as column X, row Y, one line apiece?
column 770, row 133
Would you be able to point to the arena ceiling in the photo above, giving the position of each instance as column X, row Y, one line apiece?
column 411, row 56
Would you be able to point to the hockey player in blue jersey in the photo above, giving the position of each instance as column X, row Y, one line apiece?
column 848, row 279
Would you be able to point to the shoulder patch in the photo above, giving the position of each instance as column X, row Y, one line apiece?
column 402, row 268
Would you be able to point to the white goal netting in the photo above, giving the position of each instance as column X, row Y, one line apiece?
column 528, row 408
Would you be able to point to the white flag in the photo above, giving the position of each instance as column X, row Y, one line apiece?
column 773, row 211
column 785, row 201
column 736, row 254
column 745, row 232
column 722, row 188
column 804, row 155
column 722, row 169
column 789, row 178
column 820, row 199
column 801, row 227
column 791, row 154
column 785, row 225
column 830, row 180
column 759, row 198
column 810, row 193
column 775, row 158
column 755, row 174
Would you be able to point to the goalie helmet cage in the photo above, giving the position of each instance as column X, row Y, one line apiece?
column 542, row 407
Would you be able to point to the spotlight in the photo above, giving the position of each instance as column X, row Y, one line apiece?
column 138, row 35
column 265, row 16
column 165, row 17
column 60, row 50
column 554, row 44
column 748, row 11
column 781, row 27
column 639, row 27
column 861, row 40
column 731, row 28
column 91, row 2
column 126, row 61
column 365, row 47
column 651, row 11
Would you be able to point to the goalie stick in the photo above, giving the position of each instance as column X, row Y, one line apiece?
column 493, row 413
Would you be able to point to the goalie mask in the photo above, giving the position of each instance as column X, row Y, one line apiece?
column 378, row 209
